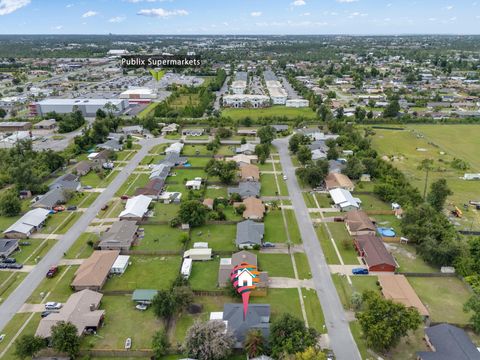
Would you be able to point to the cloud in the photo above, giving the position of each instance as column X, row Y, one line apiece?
column 117, row 19
column 256, row 13
column 9, row 6
column 69, row 5
column 58, row 27
column 449, row 7
column 89, row 13
column 162, row 13
column 306, row 14
column 346, row 1
column 299, row 3
column 356, row 14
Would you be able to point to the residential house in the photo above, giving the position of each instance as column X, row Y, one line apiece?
column 153, row 188
column 359, row 223
column 338, row 181
column 336, row 166
column 132, row 130
column 256, row 318
column 94, row 271
column 160, row 171
column 175, row 147
column 195, row 184
column 193, row 132
column 246, row 149
column 68, row 182
column 280, row 128
column 245, row 189
column 173, row 159
column 112, row 144
column 254, row 208
column 81, row 310
column 227, row 265
column 52, row 198
column 27, row 224
column 249, row 172
column 99, row 158
column 398, row 289
column 344, row 200
column 374, row 253
column 242, row 158
column 247, row 132
column 136, row 208
column 120, row 236
column 318, row 154
column 249, row 234
column 169, row 129
column 83, row 168
column 7, row 247
column 448, row 342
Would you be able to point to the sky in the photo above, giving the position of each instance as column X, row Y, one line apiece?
column 163, row 17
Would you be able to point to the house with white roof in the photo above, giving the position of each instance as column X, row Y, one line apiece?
column 27, row 224
column 175, row 147
column 136, row 208
column 344, row 200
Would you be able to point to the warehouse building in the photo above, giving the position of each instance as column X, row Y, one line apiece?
column 242, row 100
column 88, row 107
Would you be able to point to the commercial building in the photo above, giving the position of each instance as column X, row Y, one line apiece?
column 246, row 100
column 10, row 126
column 239, row 85
column 139, row 95
column 88, row 107
column 47, row 124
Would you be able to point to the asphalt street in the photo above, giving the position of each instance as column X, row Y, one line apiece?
column 341, row 339
column 18, row 297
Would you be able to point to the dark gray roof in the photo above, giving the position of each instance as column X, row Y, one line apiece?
column 7, row 246
column 67, row 181
column 111, row 144
column 120, row 235
column 174, row 158
column 249, row 232
column 335, row 166
column 450, row 342
column 257, row 317
column 52, row 198
column 280, row 127
column 318, row 145
column 246, row 189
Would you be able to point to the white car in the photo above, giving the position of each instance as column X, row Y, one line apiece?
column 284, row 177
column 53, row 305
column 2, row 337
column 128, row 344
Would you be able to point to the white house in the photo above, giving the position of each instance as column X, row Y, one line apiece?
column 175, row 147
column 27, row 224
column 186, row 268
column 120, row 265
column 297, row 103
column 344, row 200
column 136, row 208
column 195, row 184
column 241, row 100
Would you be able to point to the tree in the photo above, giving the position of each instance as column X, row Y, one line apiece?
column 473, row 304
column 225, row 170
column 304, row 154
column 164, row 305
column 28, row 346
column 3, row 113
column 160, row 344
column 289, row 335
column 324, row 112
column 192, row 212
column 263, row 152
column 296, row 140
column 427, row 165
column 332, row 153
column 10, row 204
column 354, row 168
column 392, row 109
column 439, row 191
column 254, row 343
column 314, row 174
column 223, row 133
column 266, row 134
column 64, row 338
column 385, row 322
column 310, row 353
column 360, row 113
column 208, row 341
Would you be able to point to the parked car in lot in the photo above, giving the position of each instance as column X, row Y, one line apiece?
column 53, row 305
column 268, row 245
column 88, row 187
column 9, row 260
column 52, row 271
column 360, row 271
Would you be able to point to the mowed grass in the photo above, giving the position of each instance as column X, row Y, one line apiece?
column 9, row 282
column 283, row 111
column 328, row 250
column 274, row 227
column 55, row 289
column 81, row 248
column 359, row 284
column 148, row 272
column 281, row 301
column 314, row 310
column 303, row 268
column 277, row 265
column 439, row 294
column 218, row 237
column 160, row 237
column 269, row 185
column 13, row 327
column 164, row 212
column 204, row 274
column 344, row 242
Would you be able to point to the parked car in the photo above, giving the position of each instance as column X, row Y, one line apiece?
column 24, row 243
column 45, row 313
column 284, row 177
column 2, row 337
column 72, row 208
column 59, row 208
column 9, row 260
column 15, row 266
column 128, row 344
column 52, row 271
column 3, row 265
column 104, row 207
column 124, row 197
column 53, row 305
column 141, row 307
column 268, row 245
column 360, row 271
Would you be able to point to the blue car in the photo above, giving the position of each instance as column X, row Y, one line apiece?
column 360, row 271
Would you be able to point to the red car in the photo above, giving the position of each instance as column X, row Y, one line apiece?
column 124, row 197
column 52, row 271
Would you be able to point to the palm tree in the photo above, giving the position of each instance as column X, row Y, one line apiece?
column 254, row 343
column 427, row 166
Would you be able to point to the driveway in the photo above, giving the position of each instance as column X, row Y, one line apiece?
column 289, row 283
column 18, row 297
column 341, row 339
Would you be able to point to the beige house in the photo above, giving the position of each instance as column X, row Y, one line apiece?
column 338, row 181
column 94, row 271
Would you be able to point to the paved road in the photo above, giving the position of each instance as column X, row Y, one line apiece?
column 341, row 339
column 18, row 297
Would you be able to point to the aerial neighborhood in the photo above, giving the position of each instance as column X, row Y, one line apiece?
column 291, row 198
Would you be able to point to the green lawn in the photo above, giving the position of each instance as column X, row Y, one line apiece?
column 38, row 249
column 216, row 191
column 277, row 265
column 148, row 272
column 309, row 200
column 293, row 230
column 283, row 111
column 360, row 340
column 327, row 246
column 274, row 227
column 204, row 275
column 133, row 182
column 344, row 242
column 55, row 289
column 194, row 149
column 226, row 150
column 218, row 237
column 372, row 202
column 408, row 260
column 268, row 166
column 81, row 249
column 13, row 327
column 94, row 180
column 83, row 199
column 160, row 237
column 313, row 310
column 59, row 223
column 164, row 212
column 121, row 322
column 199, row 161
column 269, row 185
column 439, row 294
column 151, row 159
column 281, row 301
column 9, row 282
column 6, row 222
column 303, row 268
column 359, row 284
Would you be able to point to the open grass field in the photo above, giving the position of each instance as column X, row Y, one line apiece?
column 165, row 212
column 280, row 111
column 274, row 227
column 204, row 275
column 344, row 242
column 13, row 327
column 218, row 237
column 454, row 141
column 160, row 237
column 438, row 294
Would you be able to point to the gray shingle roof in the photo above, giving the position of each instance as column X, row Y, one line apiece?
column 52, row 198
column 257, row 317
column 246, row 189
column 249, row 232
